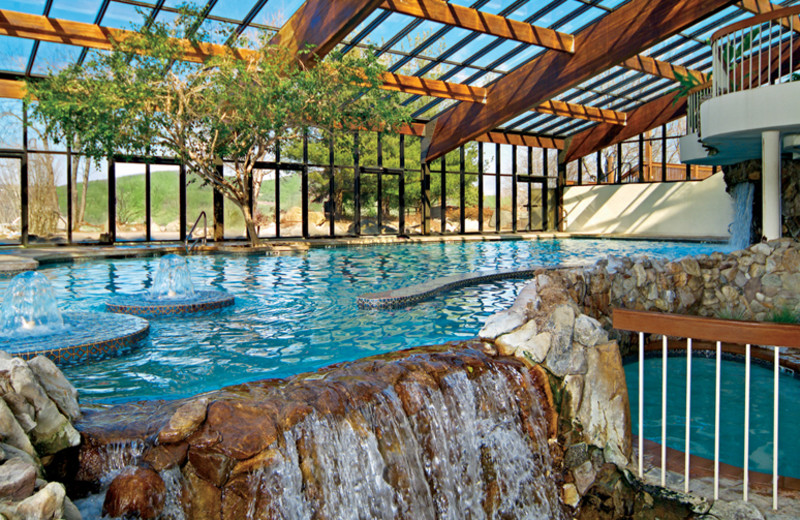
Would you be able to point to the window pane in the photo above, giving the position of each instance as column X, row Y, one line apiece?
column 199, row 198
column 165, row 202
column 47, row 197
column 91, row 211
column 130, row 201
column 9, row 200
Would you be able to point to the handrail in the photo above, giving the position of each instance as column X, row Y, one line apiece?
column 756, row 20
column 709, row 329
column 191, row 231
column 748, row 54
column 775, row 335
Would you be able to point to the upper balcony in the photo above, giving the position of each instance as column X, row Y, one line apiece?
column 755, row 88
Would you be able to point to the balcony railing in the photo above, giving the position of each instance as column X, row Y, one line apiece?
column 756, row 52
column 720, row 331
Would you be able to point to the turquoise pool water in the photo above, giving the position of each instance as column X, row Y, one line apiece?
column 298, row 313
column 731, row 446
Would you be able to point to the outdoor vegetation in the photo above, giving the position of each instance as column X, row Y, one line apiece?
column 141, row 97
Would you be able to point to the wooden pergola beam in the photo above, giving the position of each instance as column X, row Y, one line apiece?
column 621, row 34
column 319, row 25
column 650, row 115
column 12, row 89
column 766, row 6
column 662, row 69
column 474, row 20
column 563, row 109
column 667, row 108
column 433, row 87
column 42, row 28
column 15, row 89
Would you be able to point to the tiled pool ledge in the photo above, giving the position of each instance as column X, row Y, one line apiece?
column 419, row 292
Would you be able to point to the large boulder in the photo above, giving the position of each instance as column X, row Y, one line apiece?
column 604, row 413
column 46, row 504
column 17, row 479
column 61, row 391
column 135, row 492
column 11, row 432
column 53, row 431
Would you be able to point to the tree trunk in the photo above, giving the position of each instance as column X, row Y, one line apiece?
column 82, row 207
column 252, row 231
column 76, row 163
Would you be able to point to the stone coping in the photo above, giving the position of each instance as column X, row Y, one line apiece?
column 411, row 294
column 140, row 305
column 90, row 336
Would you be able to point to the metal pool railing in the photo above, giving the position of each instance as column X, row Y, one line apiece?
column 720, row 331
column 757, row 51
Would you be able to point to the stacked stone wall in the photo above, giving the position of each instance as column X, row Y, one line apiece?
column 562, row 321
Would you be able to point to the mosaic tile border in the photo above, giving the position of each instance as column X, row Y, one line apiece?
column 139, row 305
column 109, row 335
column 423, row 291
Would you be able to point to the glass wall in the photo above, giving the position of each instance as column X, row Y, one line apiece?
column 342, row 186
column 90, row 221
column 10, row 203
column 165, row 211
column 131, row 201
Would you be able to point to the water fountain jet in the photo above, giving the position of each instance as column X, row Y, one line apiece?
column 172, row 294
column 31, row 324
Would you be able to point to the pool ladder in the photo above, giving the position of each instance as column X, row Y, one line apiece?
column 204, row 238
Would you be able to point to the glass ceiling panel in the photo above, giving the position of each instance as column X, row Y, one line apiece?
column 276, row 12
column 52, row 57
column 123, row 16
column 14, row 53
column 234, row 10
column 251, row 37
column 389, row 29
column 217, row 32
column 25, row 6
column 419, row 47
column 78, row 10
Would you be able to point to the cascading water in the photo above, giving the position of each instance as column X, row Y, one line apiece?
column 427, row 434
column 466, row 453
column 30, row 308
column 739, row 229
column 172, row 280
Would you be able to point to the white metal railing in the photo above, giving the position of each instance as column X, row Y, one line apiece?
column 756, row 52
column 693, row 109
column 718, row 331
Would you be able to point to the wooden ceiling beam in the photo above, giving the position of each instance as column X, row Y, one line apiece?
column 513, row 138
column 766, row 6
column 319, row 25
column 662, row 69
column 474, row 20
column 619, row 35
column 563, row 109
column 650, row 115
column 433, row 87
column 667, row 108
column 42, row 28
column 12, row 89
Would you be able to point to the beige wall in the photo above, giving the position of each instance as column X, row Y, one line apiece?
column 673, row 209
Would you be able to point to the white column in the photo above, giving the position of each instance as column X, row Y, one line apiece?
column 771, row 183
